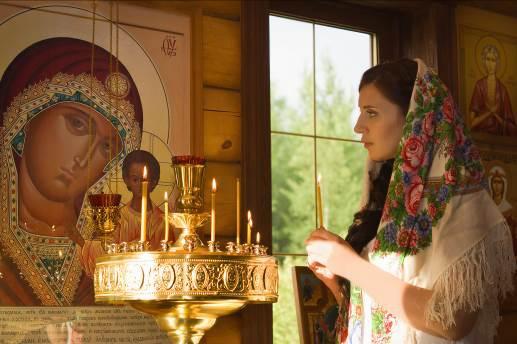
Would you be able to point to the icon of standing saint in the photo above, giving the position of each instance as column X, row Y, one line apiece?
column 490, row 108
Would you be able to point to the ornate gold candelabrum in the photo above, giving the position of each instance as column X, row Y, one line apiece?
column 186, row 285
column 103, row 215
column 189, row 215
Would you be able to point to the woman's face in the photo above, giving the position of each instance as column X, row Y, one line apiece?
column 380, row 123
column 491, row 63
column 59, row 144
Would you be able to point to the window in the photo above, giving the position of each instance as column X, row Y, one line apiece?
column 259, row 133
column 315, row 71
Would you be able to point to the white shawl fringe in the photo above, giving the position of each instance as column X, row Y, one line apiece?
column 477, row 280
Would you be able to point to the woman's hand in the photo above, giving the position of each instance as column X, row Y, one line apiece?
column 328, row 278
column 328, row 251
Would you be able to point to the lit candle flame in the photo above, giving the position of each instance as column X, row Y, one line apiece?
column 319, row 178
column 145, row 172
column 166, row 196
column 249, row 215
column 258, row 237
column 214, row 185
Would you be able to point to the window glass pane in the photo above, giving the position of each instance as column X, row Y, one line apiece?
column 291, row 73
column 341, row 166
column 292, row 180
column 304, row 55
column 285, row 325
column 341, row 58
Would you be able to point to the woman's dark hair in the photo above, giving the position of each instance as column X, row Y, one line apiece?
column 142, row 157
column 395, row 81
column 366, row 221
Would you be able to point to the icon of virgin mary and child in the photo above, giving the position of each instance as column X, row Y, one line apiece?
column 68, row 120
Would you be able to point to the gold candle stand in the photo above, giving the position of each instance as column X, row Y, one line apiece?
column 185, row 293
column 103, row 215
column 186, row 285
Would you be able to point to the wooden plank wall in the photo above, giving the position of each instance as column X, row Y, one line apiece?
column 221, row 72
column 216, row 79
column 221, row 116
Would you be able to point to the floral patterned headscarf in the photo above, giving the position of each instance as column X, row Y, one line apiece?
column 435, row 160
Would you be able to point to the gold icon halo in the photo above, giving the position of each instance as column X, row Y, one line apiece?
column 162, row 152
column 480, row 45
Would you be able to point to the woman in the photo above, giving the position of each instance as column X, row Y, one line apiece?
column 429, row 253
column 64, row 132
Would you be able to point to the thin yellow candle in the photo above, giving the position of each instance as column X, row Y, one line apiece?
column 250, row 224
column 238, row 186
column 166, row 216
column 319, row 205
column 258, row 238
column 143, row 214
column 212, row 229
